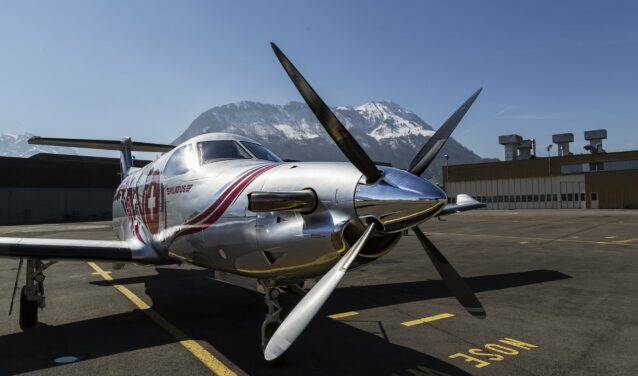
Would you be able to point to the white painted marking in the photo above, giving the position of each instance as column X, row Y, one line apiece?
column 66, row 359
column 151, row 201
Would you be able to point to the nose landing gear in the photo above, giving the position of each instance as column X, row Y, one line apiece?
column 272, row 321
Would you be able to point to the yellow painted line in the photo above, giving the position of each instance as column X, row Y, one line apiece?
column 610, row 237
column 524, row 243
column 615, row 242
column 105, row 271
column 210, row 361
column 427, row 319
column 342, row 315
column 626, row 241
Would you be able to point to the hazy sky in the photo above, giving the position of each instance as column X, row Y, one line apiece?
column 106, row 69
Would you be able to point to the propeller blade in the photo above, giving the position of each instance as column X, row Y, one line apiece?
column 450, row 277
column 428, row 152
column 308, row 307
column 344, row 140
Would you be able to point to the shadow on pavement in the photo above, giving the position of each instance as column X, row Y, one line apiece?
column 229, row 319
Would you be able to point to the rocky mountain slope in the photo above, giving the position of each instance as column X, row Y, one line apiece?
column 17, row 146
column 388, row 132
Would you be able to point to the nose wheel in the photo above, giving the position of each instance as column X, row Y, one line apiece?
column 271, row 322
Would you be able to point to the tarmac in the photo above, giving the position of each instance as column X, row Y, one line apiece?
column 560, row 288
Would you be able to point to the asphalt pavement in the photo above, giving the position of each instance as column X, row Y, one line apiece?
column 560, row 288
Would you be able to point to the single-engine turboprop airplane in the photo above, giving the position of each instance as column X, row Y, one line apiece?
column 227, row 203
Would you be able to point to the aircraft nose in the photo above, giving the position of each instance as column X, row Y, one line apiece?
column 399, row 200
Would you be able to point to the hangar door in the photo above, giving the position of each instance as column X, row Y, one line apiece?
column 572, row 195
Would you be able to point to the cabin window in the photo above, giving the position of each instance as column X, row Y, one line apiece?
column 180, row 162
column 261, row 152
column 213, row 151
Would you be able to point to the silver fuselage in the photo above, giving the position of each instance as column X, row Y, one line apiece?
column 201, row 216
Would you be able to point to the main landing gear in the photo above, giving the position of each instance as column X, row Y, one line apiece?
column 32, row 293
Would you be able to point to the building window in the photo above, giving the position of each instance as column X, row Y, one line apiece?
column 570, row 197
column 594, row 196
column 563, row 197
column 596, row 166
column 554, row 197
column 535, row 198
column 529, row 198
column 518, row 198
column 582, row 197
column 524, row 198
column 542, row 198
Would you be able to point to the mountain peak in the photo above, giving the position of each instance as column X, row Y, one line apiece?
column 387, row 131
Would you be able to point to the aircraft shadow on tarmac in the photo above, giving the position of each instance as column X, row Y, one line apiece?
column 229, row 319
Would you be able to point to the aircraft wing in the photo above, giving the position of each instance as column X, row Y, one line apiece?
column 73, row 249
column 463, row 203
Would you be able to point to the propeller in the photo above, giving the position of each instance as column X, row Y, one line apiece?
column 426, row 155
column 450, row 277
column 307, row 308
column 410, row 191
column 344, row 140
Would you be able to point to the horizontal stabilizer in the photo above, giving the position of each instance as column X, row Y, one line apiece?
column 463, row 203
column 99, row 144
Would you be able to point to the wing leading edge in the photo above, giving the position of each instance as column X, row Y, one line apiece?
column 463, row 203
column 75, row 249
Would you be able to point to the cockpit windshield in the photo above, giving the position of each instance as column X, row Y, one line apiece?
column 261, row 152
column 211, row 151
column 218, row 150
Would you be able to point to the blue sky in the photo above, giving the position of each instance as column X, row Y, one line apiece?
column 106, row 69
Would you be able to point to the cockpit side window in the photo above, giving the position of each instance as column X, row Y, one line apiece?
column 212, row 151
column 180, row 162
column 261, row 152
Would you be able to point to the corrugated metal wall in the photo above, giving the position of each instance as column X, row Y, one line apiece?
column 22, row 205
column 528, row 193
column 57, row 188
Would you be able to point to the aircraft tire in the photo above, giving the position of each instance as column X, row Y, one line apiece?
column 28, row 311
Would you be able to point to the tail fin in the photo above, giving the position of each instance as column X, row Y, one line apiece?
column 125, row 146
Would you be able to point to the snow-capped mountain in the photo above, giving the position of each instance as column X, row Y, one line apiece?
column 387, row 131
column 17, row 146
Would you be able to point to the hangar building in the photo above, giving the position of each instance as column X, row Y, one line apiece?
column 524, row 181
column 56, row 188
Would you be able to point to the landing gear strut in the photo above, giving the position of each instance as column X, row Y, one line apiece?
column 32, row 294
column 272, row 320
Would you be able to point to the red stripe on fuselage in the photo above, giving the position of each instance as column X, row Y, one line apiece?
column 215, row 211
column 233, row 195
column 212, row 207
